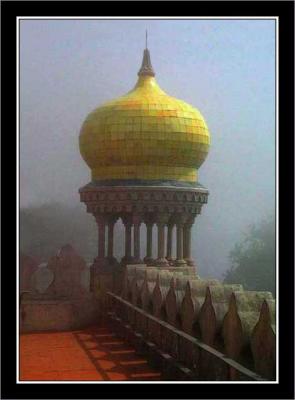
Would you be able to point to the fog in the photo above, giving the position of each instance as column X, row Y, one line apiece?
column 224, row 68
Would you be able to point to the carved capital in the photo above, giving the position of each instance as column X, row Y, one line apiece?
column 180, row 219
column 127, row 221
column 171, row 222
column 137, row 219
column 100, row 219
column 149, row 219
column 149, row 224
column 190, row 220
column 111, row 219
column 162, row 218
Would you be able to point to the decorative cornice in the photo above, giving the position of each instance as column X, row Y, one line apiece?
column 142, row 201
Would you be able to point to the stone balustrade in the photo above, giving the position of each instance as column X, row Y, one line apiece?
column 226, row 317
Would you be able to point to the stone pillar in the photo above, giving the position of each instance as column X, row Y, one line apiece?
column 137, row 222
column 162, row 220
column 179, row 238
column 169, row 241
column 101, row 222
column 127, row 221
column 148, row 259
column 128, row 227
column 98, row 268
column 110, row 254
column 101, row 273
column 111, row 239
column 187, row 241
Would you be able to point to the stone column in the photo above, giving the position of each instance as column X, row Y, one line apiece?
column 137, row 222
column 148, row 259
column 127, row 221
column 111, row 223
column 162, row 220
column 101, row 222
column 169, row 241
column 102, row 277
column 179, row 238
column 187, row 241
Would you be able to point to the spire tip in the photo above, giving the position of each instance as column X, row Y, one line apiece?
column 146, row 66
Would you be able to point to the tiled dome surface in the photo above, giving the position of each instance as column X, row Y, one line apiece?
column 145, row 135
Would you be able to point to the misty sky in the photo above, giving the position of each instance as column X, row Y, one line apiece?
column 224, row 68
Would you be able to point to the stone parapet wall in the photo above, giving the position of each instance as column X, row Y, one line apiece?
column 55, row 295
column 237, row 322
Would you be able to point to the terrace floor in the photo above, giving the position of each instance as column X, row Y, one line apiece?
column 93, row 354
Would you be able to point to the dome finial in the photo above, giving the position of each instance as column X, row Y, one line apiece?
column 146, row 68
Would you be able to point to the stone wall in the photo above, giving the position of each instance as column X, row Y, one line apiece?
column 56, row 315
column 55, row 295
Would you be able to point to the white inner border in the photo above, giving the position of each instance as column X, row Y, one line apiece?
column 276, row 18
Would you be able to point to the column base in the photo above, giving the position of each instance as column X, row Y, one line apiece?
column 190, row 262
column 100, row 263
column 162, row 262
column 101, row 278
column 149, row 260
column 171, row 261
column 180, row 263
column 137, row 261
column 127, row 260
column 112, row 261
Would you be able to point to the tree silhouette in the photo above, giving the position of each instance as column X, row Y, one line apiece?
column 253, row 259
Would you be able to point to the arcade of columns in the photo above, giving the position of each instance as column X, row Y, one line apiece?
column 164, row 208
column 183, row 226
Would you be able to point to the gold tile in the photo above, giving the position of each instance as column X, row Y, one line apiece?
column 145, row 134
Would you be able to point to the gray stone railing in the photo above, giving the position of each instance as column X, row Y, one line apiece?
column 178, row 355
column 236, row 322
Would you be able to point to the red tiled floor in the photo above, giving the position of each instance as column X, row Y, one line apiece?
column 92, row 354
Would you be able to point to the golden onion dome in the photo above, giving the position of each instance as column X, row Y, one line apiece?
column 145, row 135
